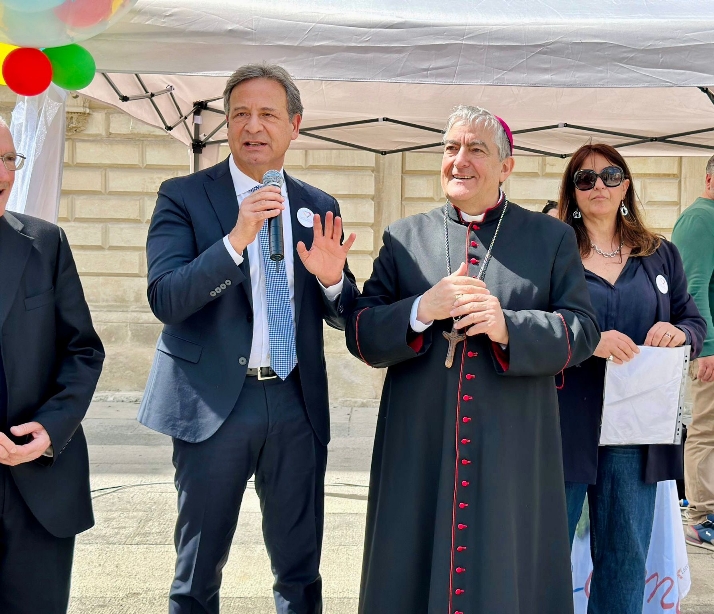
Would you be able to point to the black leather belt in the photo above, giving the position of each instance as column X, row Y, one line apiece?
column 261, row 373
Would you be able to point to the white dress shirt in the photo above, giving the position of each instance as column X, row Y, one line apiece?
column 260, row 350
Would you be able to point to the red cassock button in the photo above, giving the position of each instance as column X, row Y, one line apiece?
column 458, row 612
column 461, row 548
column 472, row 354
column 474, row 260
column 474, row 244
column 460, row 569
column 468, row 397
column 465, row 462
column 463, row 505
column 459, row 591
column 465, row 483
column 466, row 419
column 476, row 227
column 465, row 441
column 470, row 376
column 462, row 527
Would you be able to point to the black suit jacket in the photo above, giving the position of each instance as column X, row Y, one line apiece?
column 582, row 394
column 205, row 303
column 52, row 359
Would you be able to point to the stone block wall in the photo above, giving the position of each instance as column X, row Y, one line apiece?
column 115, row 164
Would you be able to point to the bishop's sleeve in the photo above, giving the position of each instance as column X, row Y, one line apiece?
column 378, row 332
column 546, row 342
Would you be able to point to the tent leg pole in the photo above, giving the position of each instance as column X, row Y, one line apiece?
column 198, row 145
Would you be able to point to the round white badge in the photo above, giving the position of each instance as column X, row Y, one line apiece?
column 662, row 284
column 305, row 217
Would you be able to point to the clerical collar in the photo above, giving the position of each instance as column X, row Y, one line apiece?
column 489, row 215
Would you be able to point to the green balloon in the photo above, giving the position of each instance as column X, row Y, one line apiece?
column 73, row 66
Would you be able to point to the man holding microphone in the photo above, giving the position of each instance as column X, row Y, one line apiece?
column 239, row 376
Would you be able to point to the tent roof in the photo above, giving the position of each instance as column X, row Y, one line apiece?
column 629, row 66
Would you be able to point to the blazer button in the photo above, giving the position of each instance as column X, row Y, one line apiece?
column 218, row 290
column 223, row 286
column 228, row 282
column 242, row 361
column 212, row 293
column 340, row 309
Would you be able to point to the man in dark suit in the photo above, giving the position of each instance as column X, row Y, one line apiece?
column 239, row 376
column 50, row 361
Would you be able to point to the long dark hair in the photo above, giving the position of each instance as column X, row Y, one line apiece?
column 631, row 229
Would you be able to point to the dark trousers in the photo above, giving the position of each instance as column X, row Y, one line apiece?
column 621, row 514
column 268, row 435
column 35, row 566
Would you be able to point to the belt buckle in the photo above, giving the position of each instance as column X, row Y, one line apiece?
column 262, row 377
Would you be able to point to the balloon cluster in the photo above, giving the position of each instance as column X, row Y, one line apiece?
column 38, row 41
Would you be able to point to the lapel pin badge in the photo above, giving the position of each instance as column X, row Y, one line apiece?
column 305, row 217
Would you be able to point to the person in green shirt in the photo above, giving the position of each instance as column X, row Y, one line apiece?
column 693, row 234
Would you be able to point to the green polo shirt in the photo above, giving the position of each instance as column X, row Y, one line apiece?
column 693, row 235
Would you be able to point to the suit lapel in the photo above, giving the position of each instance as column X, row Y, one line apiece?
column 222, row 195
column 15, row 249
column 298, row 200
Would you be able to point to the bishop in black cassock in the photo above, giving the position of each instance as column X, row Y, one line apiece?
column 466, row 510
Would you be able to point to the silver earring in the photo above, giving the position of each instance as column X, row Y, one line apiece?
column 624, row 210
column 577, row 215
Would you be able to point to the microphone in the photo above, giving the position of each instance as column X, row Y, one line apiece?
column 275, row 224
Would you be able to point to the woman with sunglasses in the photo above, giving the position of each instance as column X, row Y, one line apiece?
column 639, row 292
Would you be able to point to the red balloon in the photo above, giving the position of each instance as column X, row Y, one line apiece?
column 84, row 13
column 27, row 71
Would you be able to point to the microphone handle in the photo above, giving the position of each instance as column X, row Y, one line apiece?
column 275, row 238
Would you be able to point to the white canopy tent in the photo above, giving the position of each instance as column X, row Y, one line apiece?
column 383, row 76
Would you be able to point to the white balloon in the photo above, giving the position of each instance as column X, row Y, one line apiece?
column 54, row 23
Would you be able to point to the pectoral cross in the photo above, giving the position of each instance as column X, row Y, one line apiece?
column 454, row 338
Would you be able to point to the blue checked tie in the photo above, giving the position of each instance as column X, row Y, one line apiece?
column 281, row 327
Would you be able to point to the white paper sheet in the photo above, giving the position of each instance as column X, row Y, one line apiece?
column 643, row 397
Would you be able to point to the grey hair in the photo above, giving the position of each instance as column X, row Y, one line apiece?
column 710, row 166
column 265, row 71
column 476, row 116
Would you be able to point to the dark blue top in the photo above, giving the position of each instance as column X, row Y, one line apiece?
column 629, row 306
column 632, row 305
column 3, row 396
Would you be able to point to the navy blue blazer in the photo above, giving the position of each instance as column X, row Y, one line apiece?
column 582, row 393
column 205, row 303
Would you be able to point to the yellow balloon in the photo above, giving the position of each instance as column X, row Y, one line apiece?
column 4, row 50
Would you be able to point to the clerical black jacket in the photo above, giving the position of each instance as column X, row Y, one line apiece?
column 466, row 509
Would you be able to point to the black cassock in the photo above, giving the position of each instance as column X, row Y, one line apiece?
column 466, row 509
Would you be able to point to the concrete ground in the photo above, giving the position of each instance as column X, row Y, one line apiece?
column 124, row 565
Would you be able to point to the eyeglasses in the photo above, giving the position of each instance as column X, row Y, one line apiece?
column 612, row 176
column 13, row 161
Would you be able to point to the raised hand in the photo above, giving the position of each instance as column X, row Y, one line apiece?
column 254, row 210
column 327, row 256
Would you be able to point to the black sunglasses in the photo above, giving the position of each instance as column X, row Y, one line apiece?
column 612, row 176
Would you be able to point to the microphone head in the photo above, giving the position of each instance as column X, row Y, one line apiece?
column 273, row 178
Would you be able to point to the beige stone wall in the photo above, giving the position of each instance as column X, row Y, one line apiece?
column 115, row 164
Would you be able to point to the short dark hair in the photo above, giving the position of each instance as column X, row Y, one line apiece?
column 631, row 229
column 265, row 71
column 549, row 206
